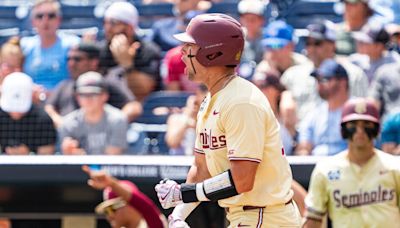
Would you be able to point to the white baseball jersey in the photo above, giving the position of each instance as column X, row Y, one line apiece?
column 237, row 123
column 355, row 196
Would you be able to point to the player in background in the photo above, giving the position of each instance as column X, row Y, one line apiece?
column 124, row 204
column 360, row 186
column 239, row 160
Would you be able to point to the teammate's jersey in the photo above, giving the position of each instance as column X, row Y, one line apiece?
column 355, row 196
column 237, row 123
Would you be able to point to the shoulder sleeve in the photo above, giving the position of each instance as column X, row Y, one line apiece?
column 244, row 126
column 317, row 198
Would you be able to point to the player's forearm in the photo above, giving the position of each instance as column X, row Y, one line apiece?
column 195, row 175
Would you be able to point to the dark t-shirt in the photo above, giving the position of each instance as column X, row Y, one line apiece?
column 147, row 59
column 64, row 101
column 34, row 129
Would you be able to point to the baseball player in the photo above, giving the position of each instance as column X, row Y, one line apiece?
column 359, row 187
column 239, row 160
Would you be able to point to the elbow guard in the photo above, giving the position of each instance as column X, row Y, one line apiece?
column 214, row 189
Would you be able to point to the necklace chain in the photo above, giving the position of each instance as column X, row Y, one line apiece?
column 228, row 79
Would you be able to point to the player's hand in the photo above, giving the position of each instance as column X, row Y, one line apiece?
column 99, row 179
column 176, row 222
column 169, row 193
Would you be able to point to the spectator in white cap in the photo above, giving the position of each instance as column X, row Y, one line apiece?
column 125, row 52
column 252, row 19
column 24, row 127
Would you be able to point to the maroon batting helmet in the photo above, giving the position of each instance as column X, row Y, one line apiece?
column 360, row 109
column 219, row 36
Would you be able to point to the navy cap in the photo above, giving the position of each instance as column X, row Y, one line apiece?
column 322, row 30
column 372, row 33
column 330, row 69
column 277, row 35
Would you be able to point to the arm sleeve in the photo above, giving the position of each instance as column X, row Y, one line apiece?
column 147, row 208
column 244, row 124
column 317, row 198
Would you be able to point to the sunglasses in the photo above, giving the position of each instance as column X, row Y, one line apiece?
column 89, row 95
column 75, row 58
column 40, row 16
column 323, row 80
column 316, row 43
column 110, row 210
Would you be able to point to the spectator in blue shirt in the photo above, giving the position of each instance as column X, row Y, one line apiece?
column 46, row 53
column 319, row 132
column 391, row 134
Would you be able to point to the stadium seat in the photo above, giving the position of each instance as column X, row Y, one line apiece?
column 302, row 12
column 10, row 24
column 146, row 134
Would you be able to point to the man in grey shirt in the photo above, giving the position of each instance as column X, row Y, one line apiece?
column 96, row 128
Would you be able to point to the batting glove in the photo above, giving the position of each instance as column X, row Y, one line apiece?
column 176, row 223
column 169, row 193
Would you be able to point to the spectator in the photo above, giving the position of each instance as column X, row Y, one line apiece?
column 124, row 204
column 394, row 32
column 371, row 46
column 252, row 19
column 279, row 52
column 175, row 78
column 385, row 89
column 164, row 29
column 95, row 128
column 356, row 14
column 319, row 132
column 11, row 58
column 320, row 45
column 360, row 186
column 122, row 48
column 46, row 53
column 391, row 134
column 81, row 59
column 181, row 133
column 24, row 127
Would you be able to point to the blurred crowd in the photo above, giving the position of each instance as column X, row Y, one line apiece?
column 68, row 94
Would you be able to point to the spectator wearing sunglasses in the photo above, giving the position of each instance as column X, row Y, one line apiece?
column 82, row 58
column 46, row 53
column 319, row 132
column 320, row 45
column 95, row 128
column 124, row 204
column 278, row 44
